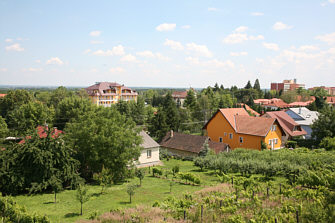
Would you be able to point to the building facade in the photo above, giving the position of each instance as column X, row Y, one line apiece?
column 108, row 93
column 287, row 85
column 149, row 152
column 236, row 128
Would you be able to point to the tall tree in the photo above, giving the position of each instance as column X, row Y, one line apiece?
column 104, row 138
column 158, row 126
column 190, row 100
column 257, row 86
column 248, row 86
column 13, row 99
column 29, row 116
column 171, row 111
column 324, row 126
column 3, row 128
column 58, row 95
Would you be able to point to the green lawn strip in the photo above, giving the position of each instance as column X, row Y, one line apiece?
column 67, row 207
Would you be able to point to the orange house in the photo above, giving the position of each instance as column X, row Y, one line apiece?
column 235, row 127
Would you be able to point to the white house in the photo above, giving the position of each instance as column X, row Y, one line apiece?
column 304, row 117
column 150, row 151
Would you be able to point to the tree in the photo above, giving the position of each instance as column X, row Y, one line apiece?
column 71, row 108
column 190, row 100
column 324, row 126
column 140, row 173
column 158, row 126
column 82, row 196
column 3, row 128
column 104, row 138
column 138, row 112
column 171, row 112
column 248, row 86
column 33, row 164
column 29, row 116
column 58, row 95
column 56, row 185
column 289, row 96
column 205, row 149
column 328, row 143
column 13, row 99
column 257, row 86
column 131, row 190
column 104, row 178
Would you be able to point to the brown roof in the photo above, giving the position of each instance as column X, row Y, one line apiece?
column 278, row 103
column 148, row 142
column 258, row 126
column 190, row 143
column 286, row 122
column 248, row 108
column 242, row 123
column 179, row 94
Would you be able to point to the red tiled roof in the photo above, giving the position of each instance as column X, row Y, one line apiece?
column 2, row 95
column 101, row 86
column 190, row 143
column 248, row 108
column 179, row 94
column 42, row 133
column 300, row 103
column 286, row 122
column 253, row 125
column 330, row 100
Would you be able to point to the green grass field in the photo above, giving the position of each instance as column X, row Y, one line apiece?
column 67, row 208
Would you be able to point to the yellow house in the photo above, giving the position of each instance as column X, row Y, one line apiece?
column 108, row 93
column 236, row 128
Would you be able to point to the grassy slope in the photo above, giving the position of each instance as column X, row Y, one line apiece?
column 67, row 207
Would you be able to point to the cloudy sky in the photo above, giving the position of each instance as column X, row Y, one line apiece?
column 175, row 43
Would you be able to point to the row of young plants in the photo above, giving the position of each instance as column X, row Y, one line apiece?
column 188, row 178
column 308, row 167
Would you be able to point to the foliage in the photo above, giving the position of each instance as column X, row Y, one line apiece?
column 29, row 116
column 3, row 128
column 158, row 126
column 10, row 211
column 104, row 138
column 82, row 196
column 32, row 165
column 328, row 143
column 324, row 126
column 156, row 171
column 175, row 170
column 14, row 99
column 131, row 190
column 291, row 144
column 140, row 173
column 104, row 178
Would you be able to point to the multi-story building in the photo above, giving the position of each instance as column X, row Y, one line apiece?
column 108, row 93
column 287, row 85
column 329, row 90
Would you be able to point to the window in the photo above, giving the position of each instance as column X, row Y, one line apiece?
column 220, row 139
column 276, row 141
column 273, row 128
column 148, row 153
column 230, row 135
column 270, row 141
column 225, row 134
column 241, row 139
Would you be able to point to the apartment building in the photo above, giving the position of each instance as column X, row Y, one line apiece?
column 108, row 93
column 287, row 85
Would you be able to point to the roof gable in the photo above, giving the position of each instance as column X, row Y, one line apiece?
column 148, row 142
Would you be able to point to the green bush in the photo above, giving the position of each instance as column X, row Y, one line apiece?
column 291, row 144
column 156, row 171
column 328, row 143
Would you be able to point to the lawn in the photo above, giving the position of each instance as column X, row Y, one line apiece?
column 67, row 208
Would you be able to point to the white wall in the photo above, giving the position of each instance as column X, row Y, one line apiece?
column 154, row 156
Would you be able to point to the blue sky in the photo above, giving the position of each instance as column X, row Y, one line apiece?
column 156, row 43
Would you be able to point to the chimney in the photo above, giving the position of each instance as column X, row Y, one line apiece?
column 171, row 133
column 295, row 80
column 299, row 110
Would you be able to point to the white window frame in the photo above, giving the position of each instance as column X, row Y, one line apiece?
column 230, row 135
column 149, row 153
column 276, row 141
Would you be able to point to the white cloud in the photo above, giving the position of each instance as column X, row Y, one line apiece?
column 3, row 69
column 96, row 42
column 328, row 38
column 128, row 58
column 146, row 53
column 212, row 9
column 258, row 37
column 166, row 27
column 201, row 50
column 38, row 61
column 308, row 48
column 117, row 70
column 32, row 69
column 173, row 44
column 241, row 29
column 55, row 60
column 271, row 46
column 115, row 51
column 8, row 40
column 161, row 57
column 186, row 27
column 281, row 26
column 257, row 13
column 14, row 47
column 235, row 38
column 236, row 54
column 210, row 63
column 95, row 33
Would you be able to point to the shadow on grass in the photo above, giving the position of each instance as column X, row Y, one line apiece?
column 96, row 194
column 70, row 215
column 124, row 202
column 49, row 202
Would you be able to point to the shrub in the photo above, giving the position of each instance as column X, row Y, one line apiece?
column 156, row 171
column 291, row 144
column 328, row 143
